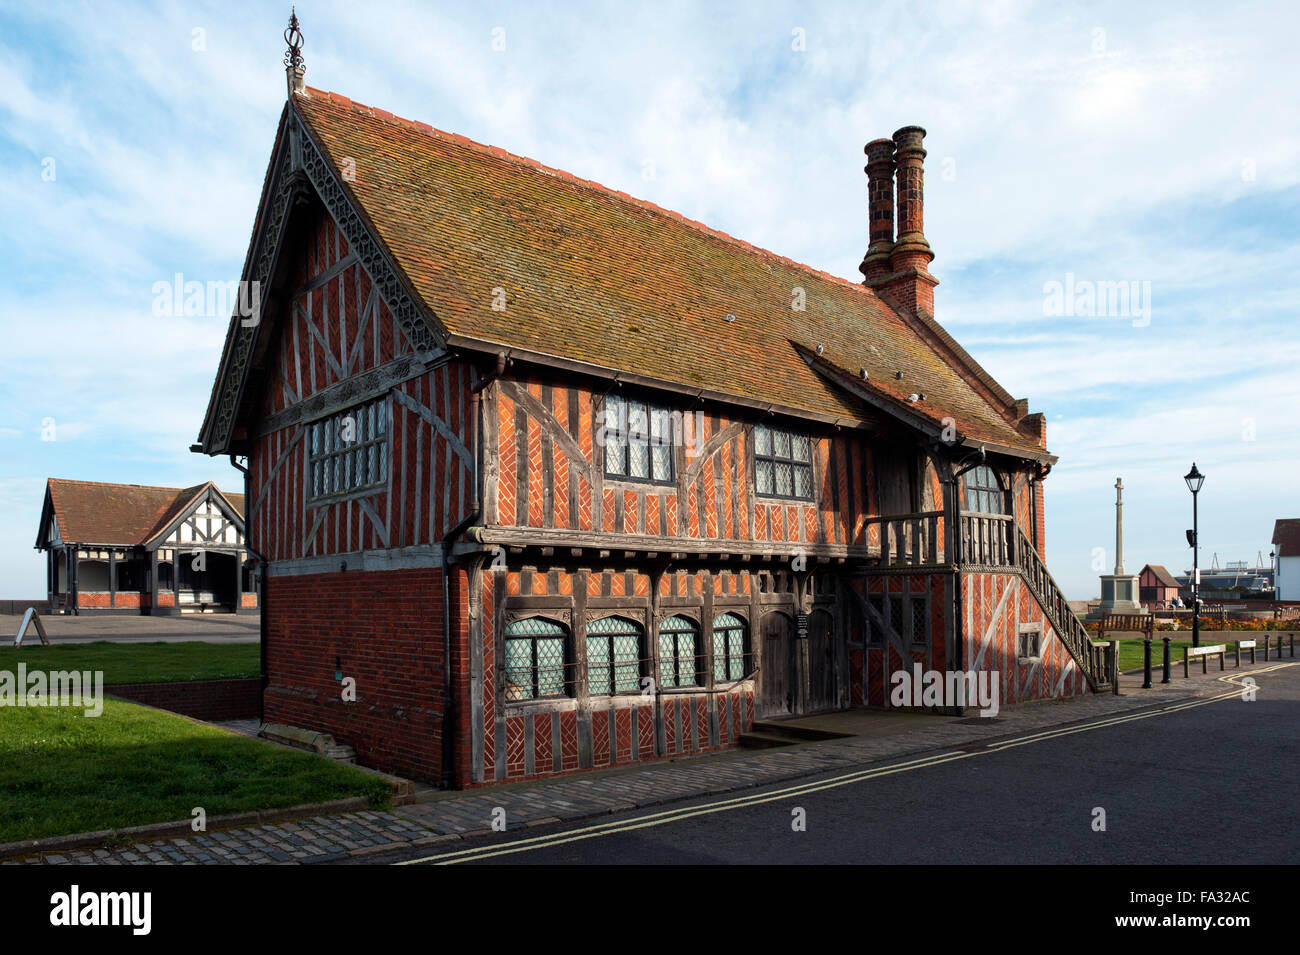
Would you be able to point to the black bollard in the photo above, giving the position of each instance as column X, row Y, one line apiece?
column 1166, row 679
column 1146, row 663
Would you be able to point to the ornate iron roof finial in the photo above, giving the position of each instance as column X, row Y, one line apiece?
column 294, row 67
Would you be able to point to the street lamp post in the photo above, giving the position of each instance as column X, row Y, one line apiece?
column 1195, row 479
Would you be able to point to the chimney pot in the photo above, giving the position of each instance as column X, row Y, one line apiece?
column 904, row 280
column 880, row 207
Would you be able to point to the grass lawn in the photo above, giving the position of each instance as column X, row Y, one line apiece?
column 1130, row 651
column 64, row 772
column 141, row 662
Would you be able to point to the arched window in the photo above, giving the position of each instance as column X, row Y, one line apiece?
column 536, row 659
column 983, row 493
column 729, row 647
column 613, row 656
column 678, row 656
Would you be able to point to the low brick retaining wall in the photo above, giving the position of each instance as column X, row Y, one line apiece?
column 201, row 699
column 19, row 607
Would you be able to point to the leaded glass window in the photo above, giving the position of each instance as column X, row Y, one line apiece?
column 638, row 441
column 983, row 493
column 348, row 451
column 920, row 624
column 678, row 659
column 782, row 463
column 613, row 656
column 728, row 647
column 536, row 659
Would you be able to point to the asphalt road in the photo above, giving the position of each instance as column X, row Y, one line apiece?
column 1211, row 783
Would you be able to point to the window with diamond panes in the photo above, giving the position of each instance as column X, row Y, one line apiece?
column 983, row 493
column 919, row 624
column 536, row 659
column 613, row 656
column 638, row 439
column 348, row 451
column 678, row 662
column 782, row 463
column 728, row 647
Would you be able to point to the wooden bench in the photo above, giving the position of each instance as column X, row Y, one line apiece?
column 1204, row 653
column 1143, row 623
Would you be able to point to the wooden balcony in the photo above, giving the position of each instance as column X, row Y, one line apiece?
column 988, row 540
column 909, row 540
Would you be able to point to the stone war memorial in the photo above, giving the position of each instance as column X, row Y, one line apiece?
column 1119, row 591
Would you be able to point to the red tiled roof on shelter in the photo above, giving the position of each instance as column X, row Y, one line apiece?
column 120, row 515
column 595, row 276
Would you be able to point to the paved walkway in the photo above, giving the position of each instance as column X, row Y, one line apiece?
column 133, row 628
column 446, row 816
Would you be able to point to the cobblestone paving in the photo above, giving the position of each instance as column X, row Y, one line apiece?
column 452, row 815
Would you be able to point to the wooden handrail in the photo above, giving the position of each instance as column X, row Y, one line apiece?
column 915, row 515
column 910, row 539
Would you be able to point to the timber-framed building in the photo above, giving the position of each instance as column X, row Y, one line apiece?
column 136, row 549
column 564, row 480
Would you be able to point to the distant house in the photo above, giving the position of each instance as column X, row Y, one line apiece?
column 1157, row 588
column 1286, row 545
column 127, row 548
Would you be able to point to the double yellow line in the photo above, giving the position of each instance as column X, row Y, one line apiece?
column 846, row 779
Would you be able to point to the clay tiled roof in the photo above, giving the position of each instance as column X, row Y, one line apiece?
column 1286, row 534
column 598, row 277
column 121, row 515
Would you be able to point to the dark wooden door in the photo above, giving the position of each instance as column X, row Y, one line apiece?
column 821, row 661
column 776, row 697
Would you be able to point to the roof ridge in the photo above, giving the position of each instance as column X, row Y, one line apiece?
column 147, row 487
column 646, row 204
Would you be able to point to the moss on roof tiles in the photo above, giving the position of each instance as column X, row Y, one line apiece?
column 598, row 277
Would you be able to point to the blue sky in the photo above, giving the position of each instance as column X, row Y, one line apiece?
column 1113, row 142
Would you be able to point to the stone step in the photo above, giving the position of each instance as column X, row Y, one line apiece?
column 764, row 741
column 793, row 732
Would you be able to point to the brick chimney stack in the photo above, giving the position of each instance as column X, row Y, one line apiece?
column 880, row 207
column 905, row 283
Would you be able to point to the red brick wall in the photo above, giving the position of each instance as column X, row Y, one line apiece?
column 1041, row 518
column 201, row 699
column 386, row 629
